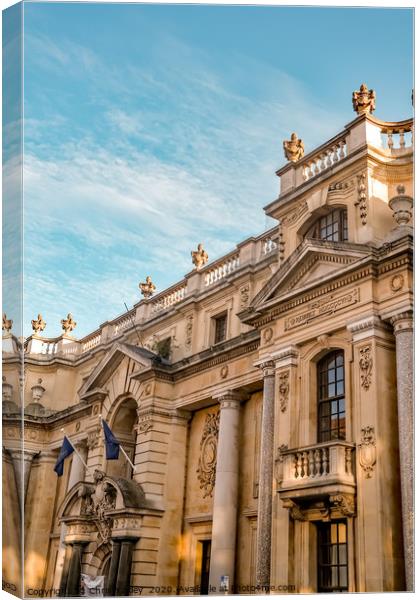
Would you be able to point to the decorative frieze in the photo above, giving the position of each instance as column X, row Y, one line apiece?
column 361, row 200
column 284, row 387
column 367, row 450
column 321, row 308
column 206, row 470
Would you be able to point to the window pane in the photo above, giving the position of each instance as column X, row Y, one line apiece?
column 342, row 533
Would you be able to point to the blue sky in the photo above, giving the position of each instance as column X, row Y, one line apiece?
column 149, row 129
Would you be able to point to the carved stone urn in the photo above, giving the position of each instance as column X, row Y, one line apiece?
column 402, row 206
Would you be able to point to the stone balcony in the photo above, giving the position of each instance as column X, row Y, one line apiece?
column 316, row 470
column 364, row 135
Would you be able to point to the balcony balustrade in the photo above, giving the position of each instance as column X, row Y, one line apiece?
column 323, row 464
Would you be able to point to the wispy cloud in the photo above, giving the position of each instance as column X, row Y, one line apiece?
column 172, row 156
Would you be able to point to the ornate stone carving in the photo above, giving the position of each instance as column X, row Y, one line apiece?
column 189, row 331
column 145, row 424
column 37, row 391
column 99, row 500
column 361, row 201
column 268, row 334
column 295, row 214
column 224, row 371
column 7, row 324
column 206, row 469
column 294, row 148
column 244, row 295
column 365, row 365
column 68, row 324
column 294, row 510
column 324, row 340
column 93, row 438
column 345, row 503
column 199, row 257
column 367, row 451
column 397, row 282
column 38, row 324
column 284, row 387
column 147, row 288
column 364, row 100
column 281, row 242
column 401, row 206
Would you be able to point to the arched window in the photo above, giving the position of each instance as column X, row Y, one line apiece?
column 331, row 398
column 332, row 226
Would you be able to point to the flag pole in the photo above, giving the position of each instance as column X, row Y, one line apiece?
column 71, row 444
column 122, row 449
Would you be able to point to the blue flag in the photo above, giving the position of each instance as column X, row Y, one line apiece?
column 66, row 450
column 112, row 445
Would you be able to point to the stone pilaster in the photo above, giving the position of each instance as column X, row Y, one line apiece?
column 372, row 413
column 403, row 330
column 265, row 486
column 225, row 503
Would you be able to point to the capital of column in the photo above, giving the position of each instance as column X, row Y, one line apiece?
column 403, row 321
column 368, row 326
column 286, row 356
column 230, row 399
column 267, row 367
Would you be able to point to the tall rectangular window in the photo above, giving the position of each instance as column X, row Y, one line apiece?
column 332, row 557
column 220, row 326
column 331, row 398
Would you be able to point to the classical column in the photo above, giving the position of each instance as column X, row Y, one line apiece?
column 265, row 486
column 73, row 580
column 122, row 587
column 223, row 543
column 403, row 329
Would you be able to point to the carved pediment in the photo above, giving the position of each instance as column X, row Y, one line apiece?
column 313, row 262
column 112, row 361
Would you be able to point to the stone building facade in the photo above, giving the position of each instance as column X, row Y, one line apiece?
column 265, row 401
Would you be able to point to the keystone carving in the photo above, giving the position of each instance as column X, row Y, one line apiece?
column 367, row 450
column 206, row 470
column 294, row 148
column 366, row 364
column 364, row 100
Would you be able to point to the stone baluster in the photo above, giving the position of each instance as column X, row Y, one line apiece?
column 402, row 138
column 403, row 330
column 265, row 487
column 225, row 505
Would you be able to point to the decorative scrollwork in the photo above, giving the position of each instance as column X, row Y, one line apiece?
column 361, row 201
column 284, row 387
column 206, row 469
column 366, row 364
column 367, row 450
